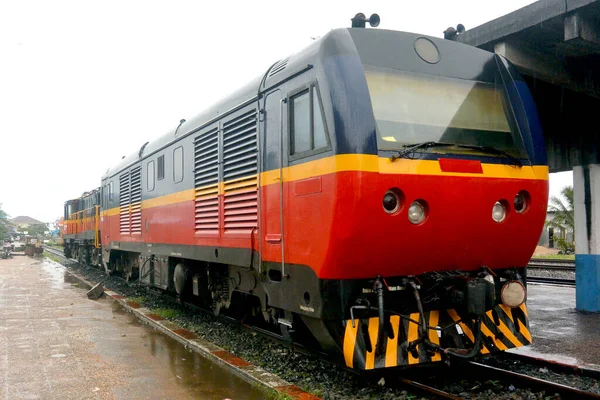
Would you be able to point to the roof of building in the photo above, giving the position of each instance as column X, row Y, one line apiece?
column 23, row 219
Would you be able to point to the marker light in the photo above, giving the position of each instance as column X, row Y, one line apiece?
column 498, row 212
column 416, row 212
column 513, row 294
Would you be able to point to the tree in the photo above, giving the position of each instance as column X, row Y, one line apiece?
column 4, row 224
column 563, row 210
column 35, row 230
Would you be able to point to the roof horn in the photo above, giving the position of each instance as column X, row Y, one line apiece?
column 360, row 20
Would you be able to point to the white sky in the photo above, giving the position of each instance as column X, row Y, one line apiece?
column 83, row 83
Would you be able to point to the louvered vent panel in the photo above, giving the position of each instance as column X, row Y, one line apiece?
column 136, row 200
column 206, row 177
column 279, row 66
column 240, row 168
column 124, row 191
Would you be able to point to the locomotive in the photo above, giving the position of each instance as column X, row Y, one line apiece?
column 380, row 192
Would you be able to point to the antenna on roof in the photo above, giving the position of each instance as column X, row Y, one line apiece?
column 359, row 20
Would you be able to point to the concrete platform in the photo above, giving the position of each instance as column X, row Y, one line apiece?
column 57, row 344
column 560, row 333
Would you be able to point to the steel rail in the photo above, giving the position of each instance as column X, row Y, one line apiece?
column 551, row 281
column 565, row 392
column 490, row 372
column 559, row 267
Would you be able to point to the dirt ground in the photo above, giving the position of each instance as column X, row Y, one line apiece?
column 541, row 250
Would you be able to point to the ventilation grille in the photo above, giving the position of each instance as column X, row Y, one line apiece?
column 124, row 190
column 206, row 178
column 240, row 168
column 130, row 202
column 136, row 200
column 279, row 66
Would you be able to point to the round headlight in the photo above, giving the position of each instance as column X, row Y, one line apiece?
column 513, row 293
column 498, row 212
column 521, row 201
column 416, row 212
column 391, row 202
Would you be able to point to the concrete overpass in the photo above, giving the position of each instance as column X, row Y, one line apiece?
column 556, row 46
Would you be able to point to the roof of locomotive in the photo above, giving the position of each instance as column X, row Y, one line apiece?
column 84, row 195
column 330, row 43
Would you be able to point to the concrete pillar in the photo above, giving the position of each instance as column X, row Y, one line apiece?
column 586, row 188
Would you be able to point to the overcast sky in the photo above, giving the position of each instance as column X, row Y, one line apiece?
column 84, row 83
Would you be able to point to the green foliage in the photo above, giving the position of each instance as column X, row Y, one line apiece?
column 168, row 313
column 4, row 224
column 563, row 209
column 35, row 230
column 564, row 246
column 556, row 256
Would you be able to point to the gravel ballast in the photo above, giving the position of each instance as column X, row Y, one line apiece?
column 310, row 373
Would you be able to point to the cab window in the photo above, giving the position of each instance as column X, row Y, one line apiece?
column 307, row 126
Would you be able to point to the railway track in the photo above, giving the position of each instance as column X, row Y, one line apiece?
column 542, row 263
column 551, row 281
column 408, row 380
column 408, row 384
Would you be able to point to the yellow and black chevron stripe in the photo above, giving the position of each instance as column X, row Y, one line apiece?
column 503, row 327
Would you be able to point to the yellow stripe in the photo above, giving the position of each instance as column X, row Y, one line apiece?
column 373, row 332
column 504, row 329
column 373, row 163
column 434, row 317
column 524, row 331
column 466, row 330
column 350, row 341
column 523, row 307
column 179, row 197
column 391, row 351
column 507, row 311
column 348, row 162
column 413, row 334
column 489, row 333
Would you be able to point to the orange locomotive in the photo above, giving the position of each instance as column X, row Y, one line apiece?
column 382, row 199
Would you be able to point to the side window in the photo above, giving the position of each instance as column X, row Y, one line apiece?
column 178, row 164
column 307, row 127
column 160, row 173
column 300, row 123
column 150, row 176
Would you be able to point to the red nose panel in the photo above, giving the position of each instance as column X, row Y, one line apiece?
column 465, row 166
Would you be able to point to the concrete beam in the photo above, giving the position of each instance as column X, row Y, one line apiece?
column 583, row 31
column 546, row 67
column 534, row 14
column 541, row 66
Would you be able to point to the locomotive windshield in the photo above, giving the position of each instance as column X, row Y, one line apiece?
column 413, row 108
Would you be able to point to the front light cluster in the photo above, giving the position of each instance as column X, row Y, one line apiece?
column 520, row 205
column 393, row 203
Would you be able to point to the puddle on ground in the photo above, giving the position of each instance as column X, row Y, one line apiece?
column 144, row 352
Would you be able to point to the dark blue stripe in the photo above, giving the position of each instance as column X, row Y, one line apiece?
column 352, row 110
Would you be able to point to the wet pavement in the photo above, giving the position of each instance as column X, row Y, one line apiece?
column 560, row 332
column 57, row 344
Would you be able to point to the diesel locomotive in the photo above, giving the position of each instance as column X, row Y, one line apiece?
column 380, row 192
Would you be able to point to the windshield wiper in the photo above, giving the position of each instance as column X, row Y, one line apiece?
column 493, row 150
column 408, row 149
